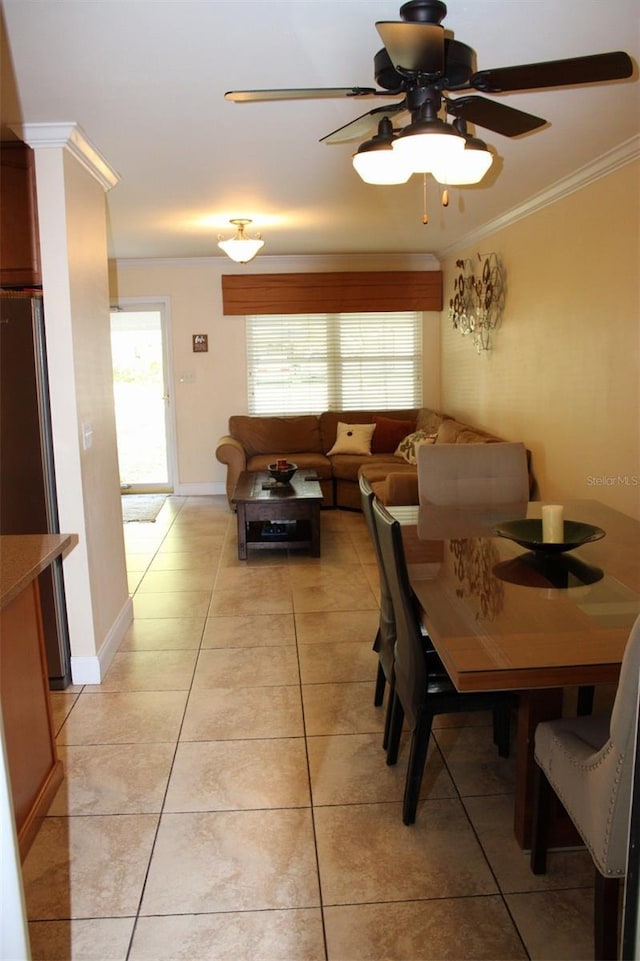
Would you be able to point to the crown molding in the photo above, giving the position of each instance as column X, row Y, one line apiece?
column 270, row 263
column 71, row 137
column 619, row 156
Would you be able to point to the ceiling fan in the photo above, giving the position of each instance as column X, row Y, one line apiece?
column 418, row 67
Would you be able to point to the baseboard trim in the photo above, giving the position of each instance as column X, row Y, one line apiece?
column 91, row 670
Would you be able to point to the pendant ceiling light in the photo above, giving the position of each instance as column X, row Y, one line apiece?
column 240, row 248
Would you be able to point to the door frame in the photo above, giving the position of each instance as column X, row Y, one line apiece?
column 163, row 306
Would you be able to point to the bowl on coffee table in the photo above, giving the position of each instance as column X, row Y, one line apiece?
column 282, row 471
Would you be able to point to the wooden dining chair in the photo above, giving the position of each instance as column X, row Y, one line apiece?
column 588, row 763
column 420, row 693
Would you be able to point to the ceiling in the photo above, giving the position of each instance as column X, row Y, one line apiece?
column 145, row 80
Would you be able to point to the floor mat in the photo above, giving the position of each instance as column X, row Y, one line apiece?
column 141, row 507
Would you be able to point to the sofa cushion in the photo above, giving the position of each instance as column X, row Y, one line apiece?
column 453, row 432
column 408, row 447
column 389, row 432
column 377, row 467
column 304, row 461
column 329, row 421
column 353, row 439
column 276, row 435
column 430, row 420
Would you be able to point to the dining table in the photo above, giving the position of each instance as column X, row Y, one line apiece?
column 538, row 622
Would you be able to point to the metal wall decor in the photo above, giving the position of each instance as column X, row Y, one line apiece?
column 478, row 298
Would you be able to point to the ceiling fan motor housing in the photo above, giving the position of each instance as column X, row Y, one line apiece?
column 423, row 11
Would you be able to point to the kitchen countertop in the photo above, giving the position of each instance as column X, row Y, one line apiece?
column 24, row 556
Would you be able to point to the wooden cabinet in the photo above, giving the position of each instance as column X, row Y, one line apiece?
column 19, row 244
column 35, row 770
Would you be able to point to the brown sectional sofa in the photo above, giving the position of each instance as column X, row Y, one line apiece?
column 254, row 442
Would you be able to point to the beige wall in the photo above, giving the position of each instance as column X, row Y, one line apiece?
column 72, row 222
column 564, row 372
column 193, row 290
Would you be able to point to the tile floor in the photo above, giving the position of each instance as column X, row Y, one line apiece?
column 226, row 795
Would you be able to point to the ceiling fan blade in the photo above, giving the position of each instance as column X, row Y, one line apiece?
column 414, row 47
column 596, row 68
column 310, row 93
column 494, row 116
column 361, row 127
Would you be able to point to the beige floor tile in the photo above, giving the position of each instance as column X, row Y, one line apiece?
column 341, row 709
column 251, row 630
column 158, row 582
column 264, row 601
column 138, row 563
column 163, row 634
column 150, row 671
column 88, row 867
column 254, row 580
column 352, row 769
column 474, row 762
column 317, row 627
column 232, row 861
column 239, row 775
column 466, row 929
column 61, row 703
column 492, row 819
column 231, row 713
column 113, row 779
column 327, row 578
column 180, row 542
column 567, row 932
column 294, row 935
column 174, row 604
column 187, row 560
column 366, row 853
column 91, row 939
column 124, row 718
column 336, row 597
column 246, row 667
column 344, row 661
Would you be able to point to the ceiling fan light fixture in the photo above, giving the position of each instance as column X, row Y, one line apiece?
column 239, row 248
column 467, row 168
column 425, row 144
column 375, row 160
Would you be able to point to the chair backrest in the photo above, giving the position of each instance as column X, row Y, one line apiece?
column 410, row 661
column 471, row 474
column 386, row 639
column 622, row 726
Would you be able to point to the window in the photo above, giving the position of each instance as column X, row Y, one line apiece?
column 307, row 363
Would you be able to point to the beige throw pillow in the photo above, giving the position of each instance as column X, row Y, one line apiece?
column 353, row 439
column 408, row 447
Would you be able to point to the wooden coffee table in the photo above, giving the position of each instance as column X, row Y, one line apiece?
column 278, row 517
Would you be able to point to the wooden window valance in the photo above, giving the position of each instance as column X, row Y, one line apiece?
column 332, row 293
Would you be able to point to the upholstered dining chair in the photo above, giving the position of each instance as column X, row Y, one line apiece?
column 463, row 475
column 588, row 763
column 420, row 693
column 385, row 639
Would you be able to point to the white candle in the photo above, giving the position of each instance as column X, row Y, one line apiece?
column 552, row 524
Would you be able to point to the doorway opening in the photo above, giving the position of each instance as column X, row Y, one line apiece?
column 139, row 347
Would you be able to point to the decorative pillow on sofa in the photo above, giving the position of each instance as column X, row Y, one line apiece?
column 389, row 432
column 353, row 439
column 408, row 447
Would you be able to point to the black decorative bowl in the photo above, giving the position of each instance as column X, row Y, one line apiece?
column 282, row 475
column 528, row 533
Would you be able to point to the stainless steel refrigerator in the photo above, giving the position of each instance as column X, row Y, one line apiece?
column 28, row 499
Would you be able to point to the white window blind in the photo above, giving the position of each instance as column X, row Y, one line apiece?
column 307, row 363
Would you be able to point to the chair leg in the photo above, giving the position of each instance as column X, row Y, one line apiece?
column 415, row 769
column 605, row 918
column 585, row 700
column 502, row 730
column 388, row 716
column 395, row 730
column 542, row 799
column 380, row 683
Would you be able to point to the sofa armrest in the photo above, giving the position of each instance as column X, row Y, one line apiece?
column 401, row 489
column 231, row 452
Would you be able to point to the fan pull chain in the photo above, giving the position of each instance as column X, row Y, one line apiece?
column 425, row 215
